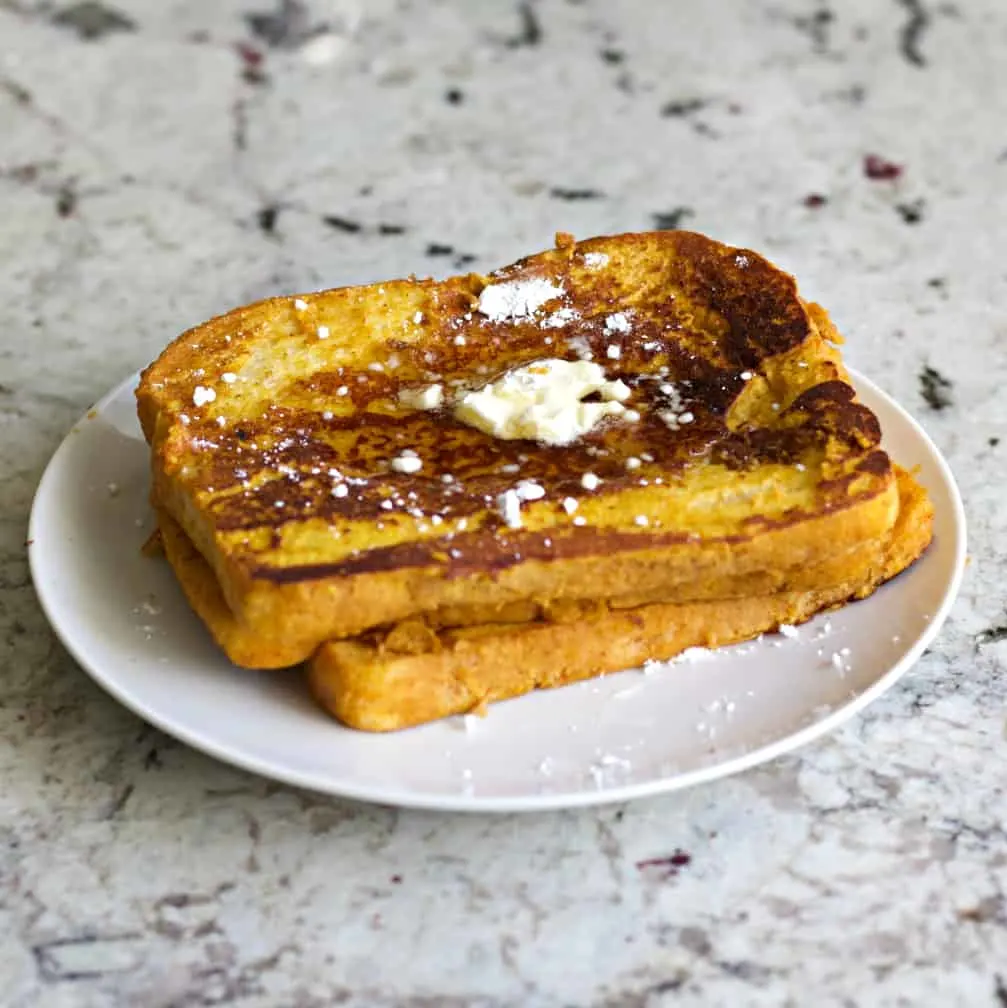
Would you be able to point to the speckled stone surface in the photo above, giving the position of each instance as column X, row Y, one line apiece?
column 163, row 160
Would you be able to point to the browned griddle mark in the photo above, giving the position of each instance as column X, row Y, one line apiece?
column 495, row 549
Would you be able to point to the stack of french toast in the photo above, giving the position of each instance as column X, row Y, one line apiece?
column 440, row 494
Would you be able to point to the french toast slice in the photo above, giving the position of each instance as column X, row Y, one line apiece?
column 386, row 681
column 300, row 447
column 247, row 647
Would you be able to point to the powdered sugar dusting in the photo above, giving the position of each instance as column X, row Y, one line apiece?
column 674, row 416
column 694, row 654
column 517, row 300
column 510, row 501
column 618, row 322
column 560, row 318
column 202, row 395
column 509, row 506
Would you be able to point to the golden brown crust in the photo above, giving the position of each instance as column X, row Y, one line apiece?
column 375, row 685
column 742, row 490
column 262, row 641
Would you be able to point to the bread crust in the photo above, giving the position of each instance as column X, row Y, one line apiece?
column 389, row 681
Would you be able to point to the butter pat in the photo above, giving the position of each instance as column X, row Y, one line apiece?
column 427, row 398
column 542, row 402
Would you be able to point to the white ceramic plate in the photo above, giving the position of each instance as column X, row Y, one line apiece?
column 126, row 622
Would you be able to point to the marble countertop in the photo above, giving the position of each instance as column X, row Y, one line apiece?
column 163, row 160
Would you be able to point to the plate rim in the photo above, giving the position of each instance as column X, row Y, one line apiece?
column 547, row 801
